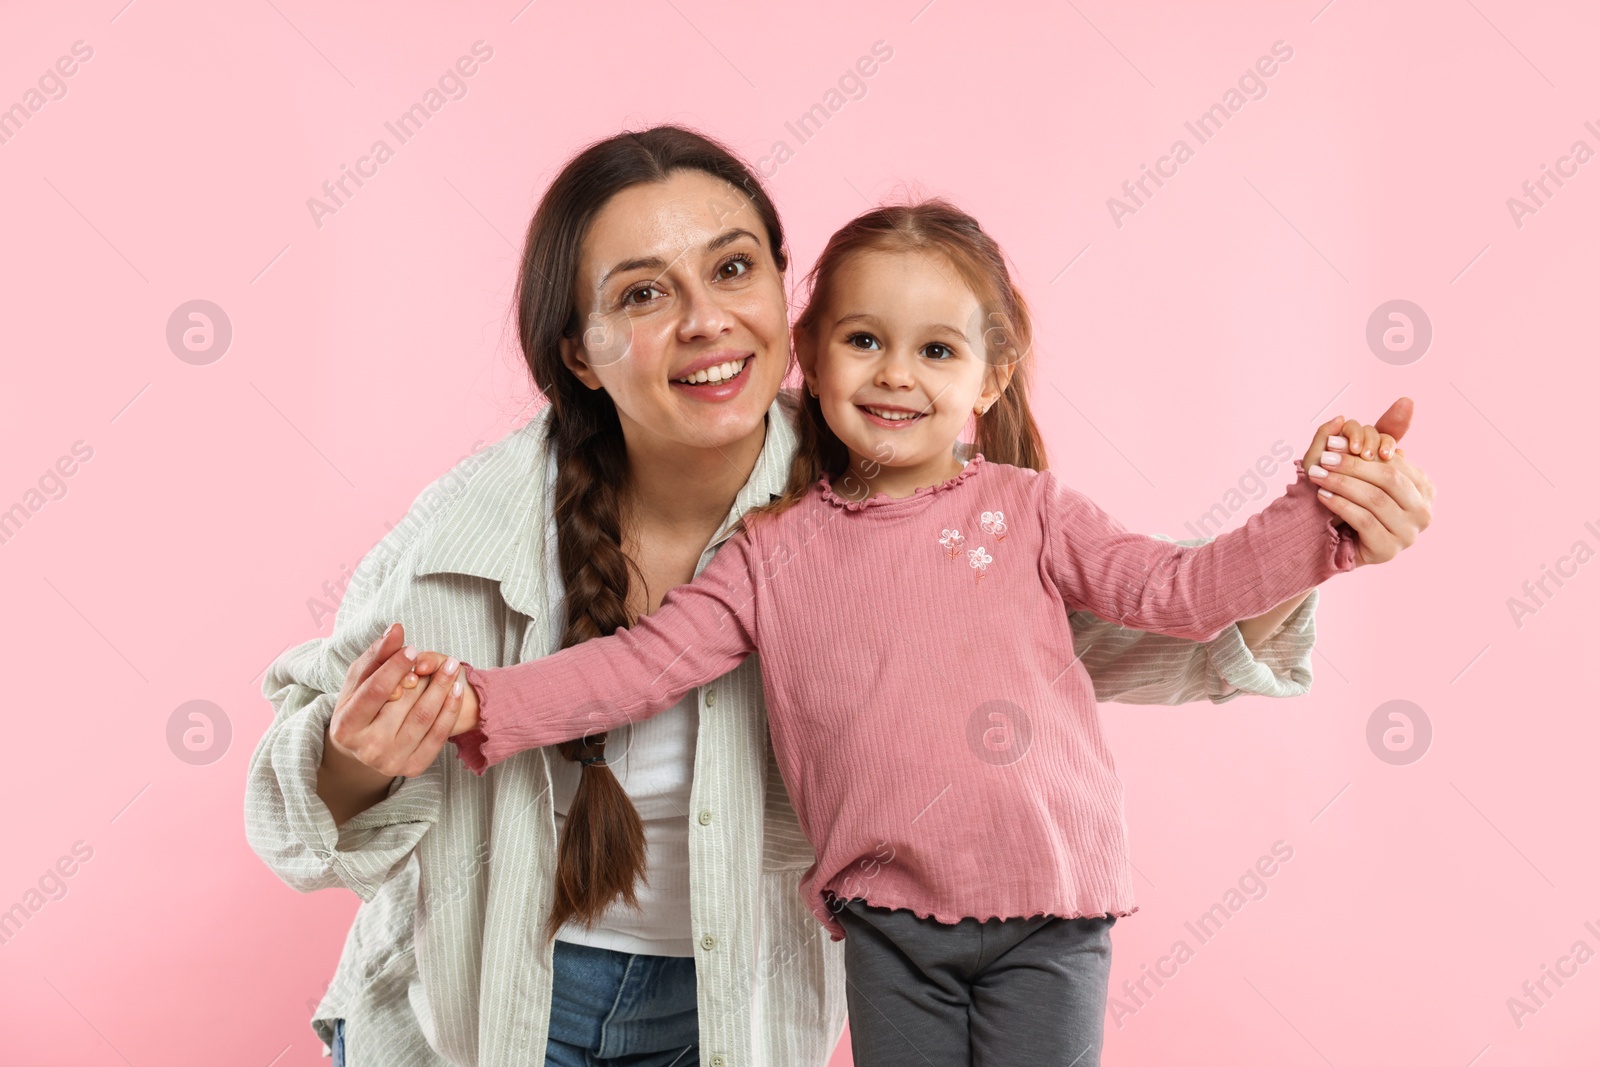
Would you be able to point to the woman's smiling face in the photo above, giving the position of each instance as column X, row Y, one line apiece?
column 682, row 314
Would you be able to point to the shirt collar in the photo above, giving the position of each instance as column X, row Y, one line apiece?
column 771, row 474
column 490, row 521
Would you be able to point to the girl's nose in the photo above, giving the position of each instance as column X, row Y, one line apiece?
column 894, row 371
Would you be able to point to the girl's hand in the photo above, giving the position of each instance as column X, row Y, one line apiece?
column 390, row 719
column 1387, row 500
column 429, row 663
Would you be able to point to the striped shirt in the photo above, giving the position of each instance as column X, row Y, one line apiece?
column 444, row 963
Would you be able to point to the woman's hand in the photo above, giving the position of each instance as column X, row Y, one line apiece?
column 1385, row 498
column 389, row 718
column 427, row 663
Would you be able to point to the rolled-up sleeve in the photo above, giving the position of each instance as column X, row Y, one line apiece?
column 1131, row 666
column 286, row 823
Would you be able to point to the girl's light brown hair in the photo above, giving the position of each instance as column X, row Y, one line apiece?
column 1006, row 433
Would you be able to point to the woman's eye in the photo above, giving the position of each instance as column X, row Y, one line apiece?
column 632, row 296
column 864, row 341
column 734, row 267
column 938, row 351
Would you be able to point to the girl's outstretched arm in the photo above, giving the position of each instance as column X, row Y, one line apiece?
column 1291, row 546
column 700, row 632
column 1269, row 655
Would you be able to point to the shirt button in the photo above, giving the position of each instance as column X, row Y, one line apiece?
column 705, row 817
column 708, row 942
column 711, row 697
column 718, row 1061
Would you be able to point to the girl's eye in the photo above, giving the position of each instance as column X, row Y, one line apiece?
column 863, row 341
column 632, row 295
column 935, row 350
column 734, row 266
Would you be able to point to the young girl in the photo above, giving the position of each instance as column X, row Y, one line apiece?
column 932, row 724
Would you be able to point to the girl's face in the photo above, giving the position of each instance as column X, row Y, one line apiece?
column 898, row 362
column 682, row 311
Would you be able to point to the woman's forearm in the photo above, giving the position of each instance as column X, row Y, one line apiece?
column 346, row 785
column 1256, row 631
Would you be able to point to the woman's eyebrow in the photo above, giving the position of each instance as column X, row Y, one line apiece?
column 724, row 239
column 656, row 263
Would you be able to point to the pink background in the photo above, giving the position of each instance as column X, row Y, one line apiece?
column 1226, row 314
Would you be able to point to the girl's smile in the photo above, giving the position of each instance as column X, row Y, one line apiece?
column 899, row 366
column 889, row 416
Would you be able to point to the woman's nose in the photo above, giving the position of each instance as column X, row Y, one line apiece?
column 703, row 315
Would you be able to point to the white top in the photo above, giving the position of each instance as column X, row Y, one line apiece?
column 653, row 761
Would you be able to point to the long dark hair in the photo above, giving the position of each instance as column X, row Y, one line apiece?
column 602, row 848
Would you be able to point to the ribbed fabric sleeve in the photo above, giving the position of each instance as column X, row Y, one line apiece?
column 700, row 632
column 1294, row 544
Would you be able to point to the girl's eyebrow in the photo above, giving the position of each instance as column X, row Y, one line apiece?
column 865, row 317
column 656, row 263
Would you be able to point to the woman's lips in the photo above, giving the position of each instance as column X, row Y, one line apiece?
column 726, row 389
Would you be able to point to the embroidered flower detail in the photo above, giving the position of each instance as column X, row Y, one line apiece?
column 980, row 560
column 994, row 522
column 952, row 540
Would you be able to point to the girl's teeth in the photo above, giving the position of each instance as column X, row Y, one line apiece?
column 894, row 416
column 720, row 372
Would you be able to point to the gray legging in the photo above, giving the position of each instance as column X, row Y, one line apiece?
column 999, row 992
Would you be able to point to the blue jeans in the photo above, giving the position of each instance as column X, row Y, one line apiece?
column 613, row 1008
column 619, row 1008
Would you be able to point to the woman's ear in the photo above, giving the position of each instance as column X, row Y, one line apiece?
column 573, row 355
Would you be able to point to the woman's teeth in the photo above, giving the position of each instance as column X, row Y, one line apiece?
column 718, row 373
column 894, row 416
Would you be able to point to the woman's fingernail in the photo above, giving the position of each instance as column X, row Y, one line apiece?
column 1337, row 441
column 1317, row 472
column 1323, row 492
column 1331, row 458
column 451, row 664
column 411, row 652
column 455, row 690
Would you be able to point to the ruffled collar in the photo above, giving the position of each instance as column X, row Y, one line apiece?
column 882, row 499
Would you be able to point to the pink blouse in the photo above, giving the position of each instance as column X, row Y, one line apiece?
column 936, row 732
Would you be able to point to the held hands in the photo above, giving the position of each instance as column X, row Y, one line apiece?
column 1363, row 477
column 434, row 669
column 387, row 722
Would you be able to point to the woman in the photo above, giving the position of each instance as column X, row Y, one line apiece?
column 652, row 315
